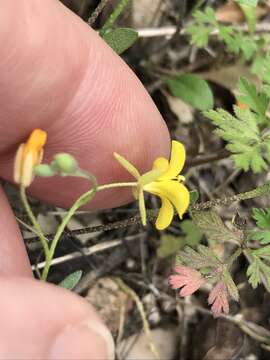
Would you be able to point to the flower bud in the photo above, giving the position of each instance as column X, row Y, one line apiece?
column 44, row 170
column 65, row 164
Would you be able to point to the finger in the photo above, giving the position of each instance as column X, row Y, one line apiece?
column 14, row 260
column 58, row 74
column 42, row 321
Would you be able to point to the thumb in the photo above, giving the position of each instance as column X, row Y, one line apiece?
column 57, row 74
column 42, row 321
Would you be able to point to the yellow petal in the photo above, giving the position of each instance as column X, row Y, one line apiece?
column 172, row 190
column 177, row 161
column 165, row 214
column 127, row 165
column 37, row 139
column 27, row 169
column 142, row 207
column 18, row 164
column 161, row 164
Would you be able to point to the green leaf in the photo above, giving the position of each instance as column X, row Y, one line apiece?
column 211, row 224
column 253, row 273
column 264, row 72
column 232, row 288
column 120, row 39
column 199, row 37
column 191, row 89
column 248, row 46
column 192, row 233
column 71, row 280
column 248, row 95
column 202, row 26
column 202, row 258
column 169, row 245
column 227, row 35
column 262, row 219
column 250, row 15
column 252, row 3
column 263, row 252
column 259, row 268
column 262, row 236
column 245, row 140
column 207, row 16
column 194, row 197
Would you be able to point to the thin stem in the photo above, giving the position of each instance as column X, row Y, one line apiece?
column 97, row 12
column 259, row 191
column 43, row 239
column 114, row 15
column 115, row 185
column 86, row 197
column 124, row 287
column 152, row 214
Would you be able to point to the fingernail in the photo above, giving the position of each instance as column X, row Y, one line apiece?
column 86, row 340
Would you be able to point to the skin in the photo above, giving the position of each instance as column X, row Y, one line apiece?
column 58, row 75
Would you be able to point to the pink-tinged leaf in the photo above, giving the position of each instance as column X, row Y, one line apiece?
column 191, row 287
column 188, row 279
column 218, row 298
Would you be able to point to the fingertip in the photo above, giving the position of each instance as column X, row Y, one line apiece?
column 43, row 321
column 14, row 259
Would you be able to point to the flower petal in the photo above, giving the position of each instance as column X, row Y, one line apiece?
column 173, row 191
column 177, row 161
column 27, row 169
column 161, row 164
column 127, row 165
column 165, row 214
column 36, row 140
column 18, row 164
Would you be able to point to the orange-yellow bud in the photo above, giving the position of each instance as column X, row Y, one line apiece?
column 29, row 155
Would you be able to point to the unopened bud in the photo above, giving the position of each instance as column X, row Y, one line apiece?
column 44, row 170
column 65, row 164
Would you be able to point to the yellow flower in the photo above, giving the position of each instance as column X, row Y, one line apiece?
column 28, row 156
column 164, row 181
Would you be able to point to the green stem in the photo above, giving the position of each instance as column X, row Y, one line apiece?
column 114, row 15
column 86, row 197
column 259, row 191
column 43, row 239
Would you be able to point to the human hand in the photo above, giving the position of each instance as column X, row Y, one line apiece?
column 58, row 75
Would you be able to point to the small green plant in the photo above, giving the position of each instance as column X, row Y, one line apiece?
column 119, row 39
column 237, row 41
column 204, row 235
column 196, row 265
column 246, row 131
column 171, row 244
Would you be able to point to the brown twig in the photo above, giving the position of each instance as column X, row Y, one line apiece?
column 205, row 159
column 97, row 12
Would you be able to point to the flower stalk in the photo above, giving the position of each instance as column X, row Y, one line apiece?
column 35, row 223
column 82, row 200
